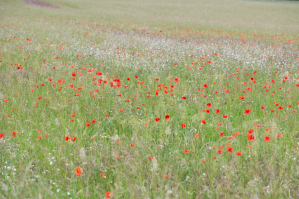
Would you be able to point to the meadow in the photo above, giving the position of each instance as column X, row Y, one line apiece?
column 149, row 99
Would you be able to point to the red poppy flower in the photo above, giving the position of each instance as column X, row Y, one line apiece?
column 150, row 158
column 1, row 135
column 219, row 151
column 93, row 121
column 102, row 175
column 157, row 119
column 231, row 137
column 14, row 133
column 73, row 138
column 209, row 104
column 251, row 137
column 230, row 149
column 203, row 122
column 40, row 97
column 205, row 85
column 183, row 125
column 262, row 107
column 250, row 131
column 279, row 135
column 87, row 124
column 166, row 116
column 238, row 153
column 221, row 134
column 247, row 111
column 107, row 194
column 132, row 145
column 225, row 116
column 176, row 79
column 266, row 139
column 78, row 171
column 217, row 111
column 184, row 97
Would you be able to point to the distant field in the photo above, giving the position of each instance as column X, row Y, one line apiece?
column 228, row 15
column 149, row 99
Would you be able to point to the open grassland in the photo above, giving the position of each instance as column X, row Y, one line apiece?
column 149, row 99
column 227, row 15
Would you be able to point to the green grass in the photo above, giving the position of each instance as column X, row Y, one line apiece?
column 39, row 98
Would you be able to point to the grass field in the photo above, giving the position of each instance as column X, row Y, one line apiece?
column 149, row 99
